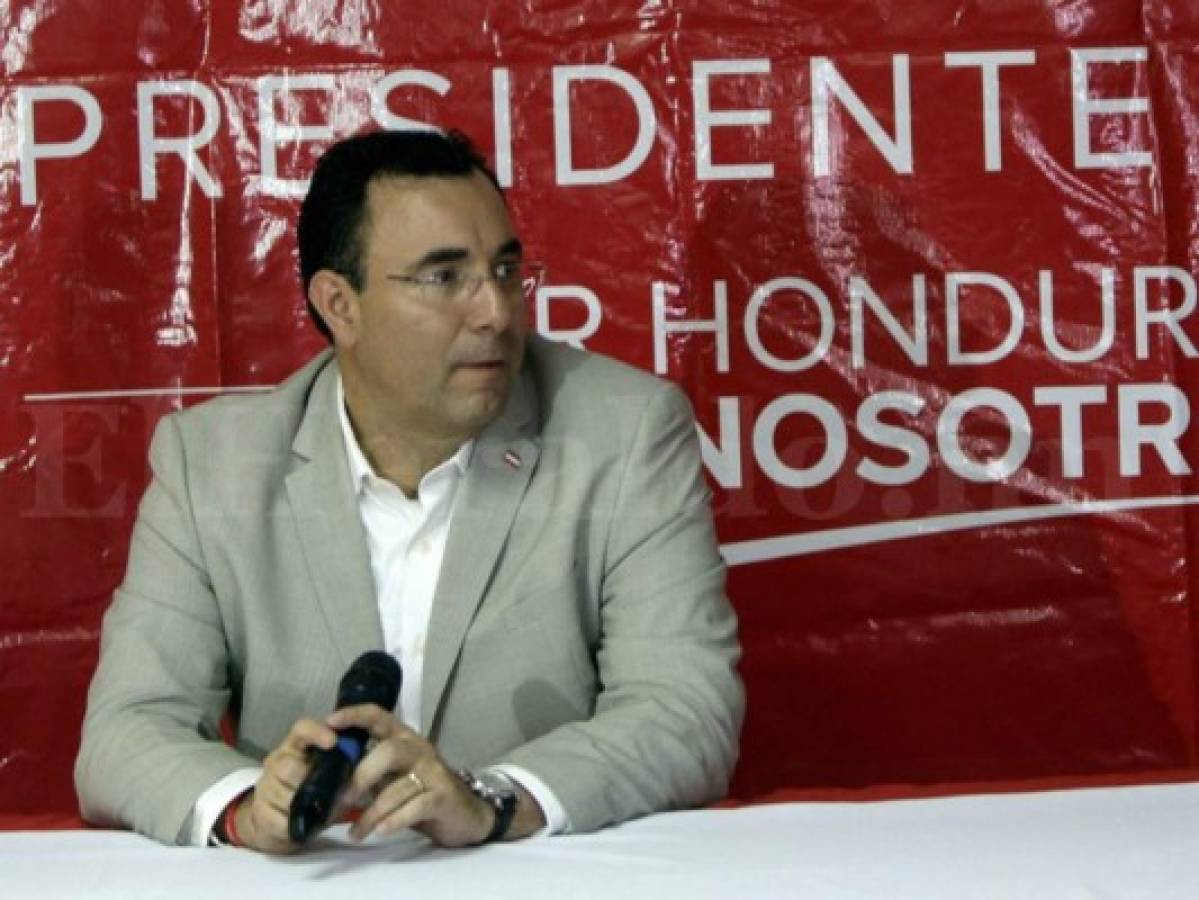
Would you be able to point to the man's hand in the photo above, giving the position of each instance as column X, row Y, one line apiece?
column 407, row 783
column 411, row 785
column 262, row 819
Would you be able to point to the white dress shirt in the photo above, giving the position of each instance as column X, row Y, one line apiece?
column 406, row 540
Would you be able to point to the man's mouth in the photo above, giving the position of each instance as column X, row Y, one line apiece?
column 490, row 369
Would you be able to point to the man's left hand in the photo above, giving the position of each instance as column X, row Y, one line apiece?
column 412, row 787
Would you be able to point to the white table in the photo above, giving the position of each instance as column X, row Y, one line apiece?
column 1095, row 844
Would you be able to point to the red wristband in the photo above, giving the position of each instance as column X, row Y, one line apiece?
column 229, row 820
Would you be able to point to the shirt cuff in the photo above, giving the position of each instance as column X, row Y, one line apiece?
column 556, row 820
column 214, row 800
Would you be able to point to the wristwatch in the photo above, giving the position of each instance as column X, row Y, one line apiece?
column 498, row 791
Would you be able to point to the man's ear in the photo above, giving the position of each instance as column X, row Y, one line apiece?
column 337, row 302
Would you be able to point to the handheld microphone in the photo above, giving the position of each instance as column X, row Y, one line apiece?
column 374, row 677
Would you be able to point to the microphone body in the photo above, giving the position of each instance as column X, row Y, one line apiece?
column 375, row 677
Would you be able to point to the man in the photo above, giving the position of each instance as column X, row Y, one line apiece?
column 523, row 526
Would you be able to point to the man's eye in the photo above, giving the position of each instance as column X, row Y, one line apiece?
column 507, row 271
column 447, row 278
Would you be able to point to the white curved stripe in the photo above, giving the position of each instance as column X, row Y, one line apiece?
column 744, row 552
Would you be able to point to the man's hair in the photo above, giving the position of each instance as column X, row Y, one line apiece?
column 333, row 216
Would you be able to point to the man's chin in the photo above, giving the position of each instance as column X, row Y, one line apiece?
column 474, row 412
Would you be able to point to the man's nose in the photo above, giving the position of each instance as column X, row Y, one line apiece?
column 490, row 307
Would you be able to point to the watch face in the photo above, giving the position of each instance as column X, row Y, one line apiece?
column 499, row 783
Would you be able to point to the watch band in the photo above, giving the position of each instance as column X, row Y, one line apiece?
column 503, row 803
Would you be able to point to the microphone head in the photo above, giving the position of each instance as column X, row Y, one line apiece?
column 375, row 677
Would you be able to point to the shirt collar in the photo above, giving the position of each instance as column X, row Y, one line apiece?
column 361, row 471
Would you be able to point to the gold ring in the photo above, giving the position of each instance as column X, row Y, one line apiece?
column 415, row 779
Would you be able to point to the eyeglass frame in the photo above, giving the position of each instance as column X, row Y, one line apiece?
column 532, row 276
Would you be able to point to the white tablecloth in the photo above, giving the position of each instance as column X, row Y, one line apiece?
column 1099, row 844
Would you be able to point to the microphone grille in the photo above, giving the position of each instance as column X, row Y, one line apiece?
column 375, row 677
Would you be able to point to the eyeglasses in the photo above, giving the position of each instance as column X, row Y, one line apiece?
column 447, row 284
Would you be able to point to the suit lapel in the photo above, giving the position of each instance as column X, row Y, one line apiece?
column 502, row 463
column 326, row 517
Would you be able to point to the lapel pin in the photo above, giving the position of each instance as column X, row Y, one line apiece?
column 512, row 459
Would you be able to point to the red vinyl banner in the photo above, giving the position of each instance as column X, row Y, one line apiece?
column 927, row 271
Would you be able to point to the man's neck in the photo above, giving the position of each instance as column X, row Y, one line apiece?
column 403, row 461
column 401, row 455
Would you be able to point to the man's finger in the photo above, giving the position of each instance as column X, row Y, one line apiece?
column 399, row 754
column 308, row 733
column 402, row 804
column 275, row 795
column 288, row 770
column 379, row 722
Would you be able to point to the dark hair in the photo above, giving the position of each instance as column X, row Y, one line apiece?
column 333, row 215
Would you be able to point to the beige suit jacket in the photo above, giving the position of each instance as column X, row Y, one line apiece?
column 579, row 628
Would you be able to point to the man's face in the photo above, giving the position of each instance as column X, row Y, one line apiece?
column 426, row 362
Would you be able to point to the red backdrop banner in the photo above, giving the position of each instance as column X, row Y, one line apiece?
column 927, row 271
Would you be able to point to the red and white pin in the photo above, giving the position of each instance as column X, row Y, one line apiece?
column 512, row 459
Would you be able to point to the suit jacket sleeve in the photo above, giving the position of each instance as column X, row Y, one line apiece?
column 667, row 718
column 151, row 742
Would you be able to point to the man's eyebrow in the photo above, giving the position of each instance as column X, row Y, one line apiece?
column 511, row 248
column 442, row 255
column 439, row 255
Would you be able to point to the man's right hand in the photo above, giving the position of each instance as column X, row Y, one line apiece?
column 261, row 820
